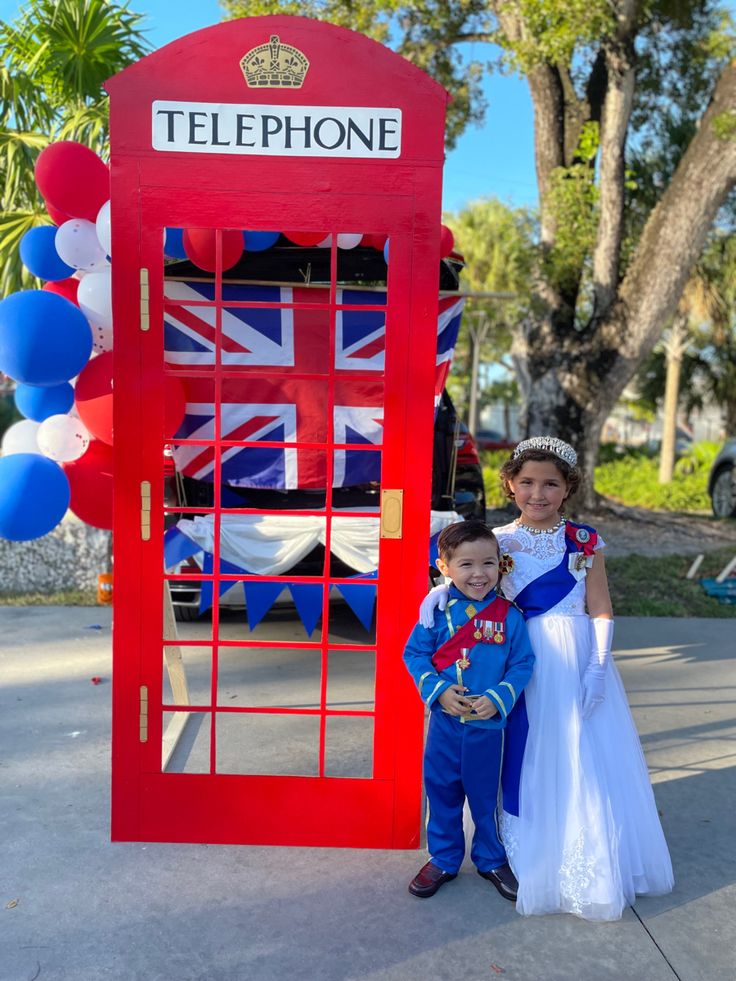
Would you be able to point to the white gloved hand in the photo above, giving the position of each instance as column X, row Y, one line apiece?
column 435, row 599
column 594, row 679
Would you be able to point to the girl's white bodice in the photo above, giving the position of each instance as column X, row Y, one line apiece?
column 534, row 555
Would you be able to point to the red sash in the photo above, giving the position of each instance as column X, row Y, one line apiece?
column 449, row 652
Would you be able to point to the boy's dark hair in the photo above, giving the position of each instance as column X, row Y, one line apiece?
column 512, row 467
column 457, row 534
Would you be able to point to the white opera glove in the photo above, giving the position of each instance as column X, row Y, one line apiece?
column 436, row 599
column 594, row 679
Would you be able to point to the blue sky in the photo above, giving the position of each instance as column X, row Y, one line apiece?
column 496, row 160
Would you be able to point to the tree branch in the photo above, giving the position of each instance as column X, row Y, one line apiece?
column 674, row 235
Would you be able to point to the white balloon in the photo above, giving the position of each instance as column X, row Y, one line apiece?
column 77, row 244
column 348, row 240
column 325, row 243
column 21, row 438
column 104, row 234
column 62, row 438
column 101, row 338
column 94, row 297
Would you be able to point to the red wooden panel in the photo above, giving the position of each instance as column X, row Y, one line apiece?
column 151, row 190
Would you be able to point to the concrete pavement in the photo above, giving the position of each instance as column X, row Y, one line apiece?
column 74, row 907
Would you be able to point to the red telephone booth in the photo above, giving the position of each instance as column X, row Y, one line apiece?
column 286, row 124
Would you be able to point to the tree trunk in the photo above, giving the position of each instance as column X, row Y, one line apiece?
column 675, row 348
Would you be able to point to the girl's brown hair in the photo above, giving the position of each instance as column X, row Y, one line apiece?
column 512, row 467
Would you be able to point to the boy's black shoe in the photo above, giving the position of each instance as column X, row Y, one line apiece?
column 504, row 880
column 428, row 880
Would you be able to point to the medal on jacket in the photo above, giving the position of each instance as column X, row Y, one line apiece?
column 479, row 628
column 464, row 661
column 498, row 636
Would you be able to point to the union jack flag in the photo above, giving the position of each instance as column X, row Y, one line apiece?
column 293, row 339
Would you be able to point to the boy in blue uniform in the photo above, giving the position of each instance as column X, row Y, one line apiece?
column 470, row 668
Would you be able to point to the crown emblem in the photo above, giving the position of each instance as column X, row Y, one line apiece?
column 274, row 66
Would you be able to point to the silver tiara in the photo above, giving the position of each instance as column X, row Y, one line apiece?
column 550, row 443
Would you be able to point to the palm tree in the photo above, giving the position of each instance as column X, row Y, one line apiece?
column 55, row 57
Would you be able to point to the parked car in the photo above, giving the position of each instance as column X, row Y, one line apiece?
column 722, row 481
column 490, row 439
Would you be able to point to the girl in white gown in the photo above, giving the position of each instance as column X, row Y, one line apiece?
column 587, row 837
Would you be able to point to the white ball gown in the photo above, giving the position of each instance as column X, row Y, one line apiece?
column 588, row 837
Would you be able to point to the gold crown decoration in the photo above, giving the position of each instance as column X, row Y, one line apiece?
column 274, row 66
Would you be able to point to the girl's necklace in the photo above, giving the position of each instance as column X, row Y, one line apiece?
column 540, row 531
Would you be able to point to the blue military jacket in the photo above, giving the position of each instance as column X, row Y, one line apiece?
column 498, row 670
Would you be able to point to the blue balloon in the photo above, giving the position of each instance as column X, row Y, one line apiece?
column 385, row 251
column 44, row 339
column 38, row 403
column 174, row 244
column 258, row 241
column 34, row 496
column 38, row 254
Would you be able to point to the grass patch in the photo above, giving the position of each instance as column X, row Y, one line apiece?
column 631, row 477
column 645, row 586
column 65, row 597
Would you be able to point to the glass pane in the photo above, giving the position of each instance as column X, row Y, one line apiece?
column 185, row 616
column 289, row 331
column 185, row 746
column 270, row 478
column 349, row 747
column 269, row 744
column 352, row 614
column 187, row 675
column 269, row 678
column 351, row 680
column 271, row 544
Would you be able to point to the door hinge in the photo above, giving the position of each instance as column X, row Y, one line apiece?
column 146, row 510
column 392, row 508
column 145, row 320
column 143, row 716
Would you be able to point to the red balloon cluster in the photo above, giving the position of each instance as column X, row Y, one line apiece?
column 93, row 399
column 447, row 241
column 64, row 287
column 73, row 181
column 200, row 245
column 306, row 238
column 90, row 481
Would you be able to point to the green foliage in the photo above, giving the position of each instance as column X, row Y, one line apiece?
column 55, row 57
column 556, row 29
column 492, row 461
column 724, row 125
column 657, row 587
column 497, row 243
column 8, row 413
column 633, row 480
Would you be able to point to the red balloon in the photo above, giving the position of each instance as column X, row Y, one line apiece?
column 447, row 241
column 73, row 179
column 175, row 404
column 58, row 217
column 375, row 241
column 306, row 238
column 91, row 481
column 93, row 396
column 199, row 245
column 64, row 287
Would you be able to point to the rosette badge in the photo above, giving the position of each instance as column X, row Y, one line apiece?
column 274, row 66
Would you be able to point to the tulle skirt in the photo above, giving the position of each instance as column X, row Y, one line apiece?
column 588, row 836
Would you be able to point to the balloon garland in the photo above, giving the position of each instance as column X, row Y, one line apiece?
column 56, row 343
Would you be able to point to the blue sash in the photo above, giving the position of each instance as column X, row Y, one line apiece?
column 536, row 598
column 547, row 591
